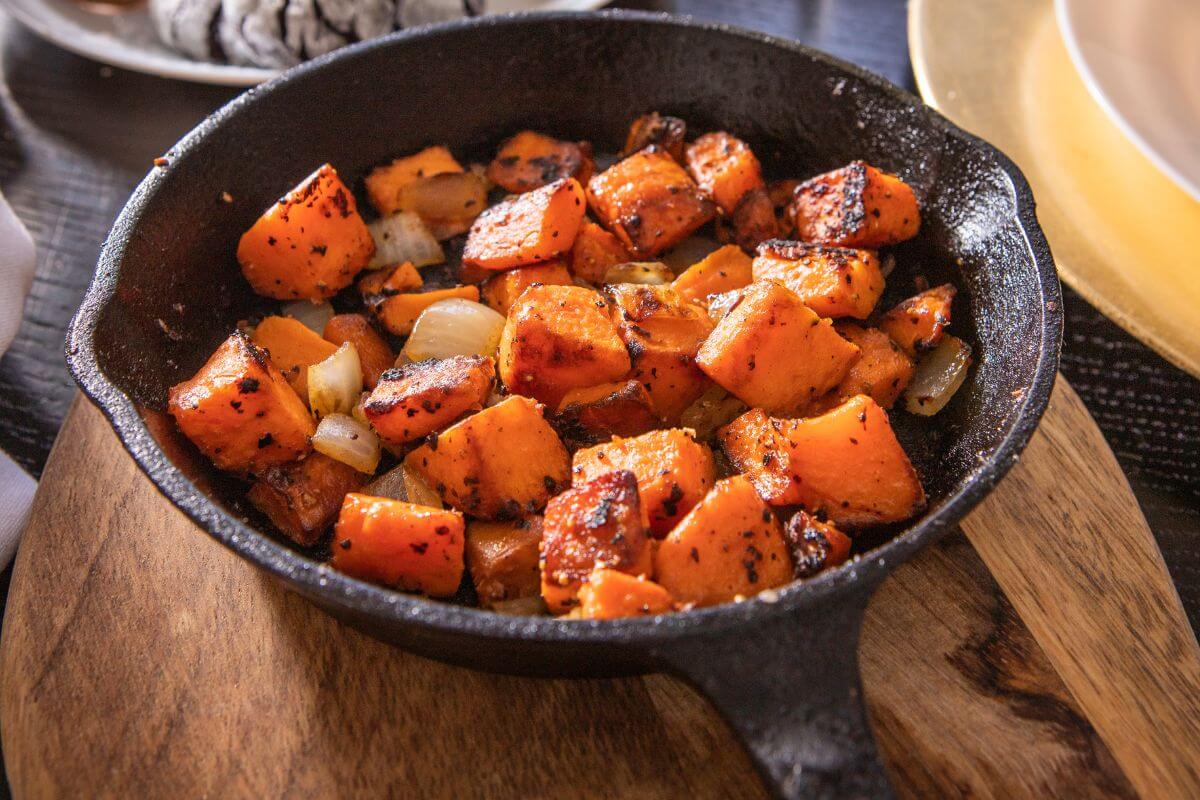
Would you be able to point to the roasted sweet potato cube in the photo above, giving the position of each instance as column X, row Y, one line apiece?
column 663, row 332
column 832, row 281
column 773, row 352
column 374, row 354
column 293, row 347
column 881, row 372
column 673, row 471
column 594, row 251
column 815, row 545
column 530, row 160
column 729, row 546
column 649, row 202
column 754, row 219
column 502, row 463
column 855, row 206
column 398, row 313
column 596, row 414
column 503, row 559
column 594, row 524
column 239, row 410
column 502, row 289
column 377, row 285
column 417, row 399
column 410, row 547
column 384, row 184
column 302, row 498
column 756, row 447
column 722, row 270
column 725, row 168
column 918, row 323
column 447, row 203
column 531, row 227
column 310, row 244
column 610, row 594
column 667, row 133
column 559, row 338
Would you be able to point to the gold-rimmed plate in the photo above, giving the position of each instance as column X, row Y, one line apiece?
column 1123, row 234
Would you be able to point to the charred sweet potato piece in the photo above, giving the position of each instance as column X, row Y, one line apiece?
column 239, row 410
column 530, row 160
column 815, row 545
column 918, row 323
column 398, row 313
column 756, row 447
column 594, row 524
column 855, row 206
column 654, row 129
column 722, row 270
column 503, row 559
column 832, row 281
column 410, row 547
column 729, row 546
column 649, row 202
column 447, row 203
column 375, row 286
column 559, row 338
column 881, row 373
column 293, row 347
column 502, row 289
column 302, row 498
column 417, row 399
column 754, row 220
column 374, row 354
column 725, row 168
column 663, row 333
column 502, row 463
column 531, row 227
column 596, row 414
column 594, row 251
column 310, row 244
column 609, row 594
column 773, row 352
column 384, row 184
column 673, row 471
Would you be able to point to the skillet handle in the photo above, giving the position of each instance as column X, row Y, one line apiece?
column 790, row 689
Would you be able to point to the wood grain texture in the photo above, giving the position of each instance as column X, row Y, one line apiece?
column 140, row 658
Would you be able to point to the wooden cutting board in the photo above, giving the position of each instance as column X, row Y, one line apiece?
column 140, row 658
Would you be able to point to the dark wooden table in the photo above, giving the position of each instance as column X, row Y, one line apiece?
column 77, row 136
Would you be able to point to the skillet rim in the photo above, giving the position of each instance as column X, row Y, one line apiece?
column 334, row 590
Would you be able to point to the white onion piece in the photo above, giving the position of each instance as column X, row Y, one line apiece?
column 722, row 303
column 887, row 264
column 358, row 412
column 938, row 375
column 713, row 409
column 521, row 607
column 334, row 385
column 401, row 483
column 418, row 491
column 313, row 316
column 690, row 251
column 652, row 273
column 347, row 440
column 454, row 327
column 403, row 237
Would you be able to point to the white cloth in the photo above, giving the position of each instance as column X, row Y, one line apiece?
column 16, row 274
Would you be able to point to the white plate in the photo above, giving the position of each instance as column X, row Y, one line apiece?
column 1140, row 59
column 126, row 38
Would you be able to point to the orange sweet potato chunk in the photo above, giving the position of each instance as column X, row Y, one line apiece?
column 302, row 498
column 725, row 168
column 531, row 227
column 610, row 594
column 504, row 462
column 855, row 206
column 594, row 251
column 673, row 471
column 239, row 410
column 530, row 160
column 918, row 323
column 559, row 338
column 649, row 202
column 832, row 281
column 375, row 286
column 663, row 332
column 754, row 219
column 815, row 545
column 667, row 133
column 406, row 546
column 293, row 347
column 881, row 373
column 385, row 183
column 310, row 244
column 502, row 289
column 417, row 399
column 398, row 313
column 729, row 546
column 756, row 447
column 594, row 524
column 722, row 270
column 773, row 352
column 503, row 559
column 596, row 414
column 374, row 354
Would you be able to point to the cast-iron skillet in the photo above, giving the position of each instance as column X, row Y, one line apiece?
column 782, row 670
